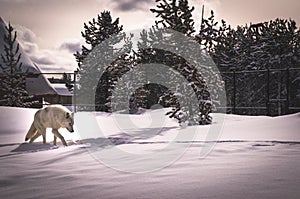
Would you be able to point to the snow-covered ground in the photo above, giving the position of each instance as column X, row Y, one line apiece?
column 252, row 157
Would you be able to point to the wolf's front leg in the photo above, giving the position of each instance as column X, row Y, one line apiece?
column 54, row 140
column 57, row 134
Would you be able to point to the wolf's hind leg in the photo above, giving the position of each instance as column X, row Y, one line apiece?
column 57, row 134
column 43, row 133
column 36, row 135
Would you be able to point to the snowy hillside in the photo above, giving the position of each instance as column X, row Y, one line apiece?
column 253, row 157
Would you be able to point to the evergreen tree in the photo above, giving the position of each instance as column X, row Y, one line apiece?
column 251, row 47
column 96, row 32
column 67, row 79
column 175, row 14
column 12, row 85
column 209, row 34
column 254, row 47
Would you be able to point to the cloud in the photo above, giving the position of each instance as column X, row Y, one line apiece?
column 14, row 1
column 54, row 60
column 58, row 59
column 42, row 59
column 29, row 47
column 25, row 34
column 27, row 39
column 131, row 5
column 72, row 46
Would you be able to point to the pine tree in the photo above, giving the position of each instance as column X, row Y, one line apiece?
column 175, row 14
column 96, row 32
column 67, row 79
column 262, row 46
column 251, row 47
column 12, row 85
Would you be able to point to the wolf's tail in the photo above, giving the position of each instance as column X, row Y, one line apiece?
column 31, row 132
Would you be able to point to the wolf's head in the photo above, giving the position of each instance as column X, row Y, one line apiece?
column 69, row 121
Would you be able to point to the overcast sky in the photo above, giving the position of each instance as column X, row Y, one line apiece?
column 49, row 30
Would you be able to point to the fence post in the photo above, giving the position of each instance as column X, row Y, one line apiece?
column 234, row 93
column 287, row 90
column 74, row 92
column 268, row 93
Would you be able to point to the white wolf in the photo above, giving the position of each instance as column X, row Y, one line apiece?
column 53, row 116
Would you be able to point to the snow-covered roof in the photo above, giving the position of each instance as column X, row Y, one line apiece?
column 34, row 86
column 62, row 90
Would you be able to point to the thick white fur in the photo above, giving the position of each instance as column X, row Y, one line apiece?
column 53, row 116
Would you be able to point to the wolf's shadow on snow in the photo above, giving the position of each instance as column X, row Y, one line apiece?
column 96, row 143
column 34, row 147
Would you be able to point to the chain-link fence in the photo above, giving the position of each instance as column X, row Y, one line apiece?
column 263, row 92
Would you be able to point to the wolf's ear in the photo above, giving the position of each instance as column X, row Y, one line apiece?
column 67, row 115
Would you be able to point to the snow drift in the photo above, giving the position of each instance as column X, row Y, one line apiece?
column 253, row 157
